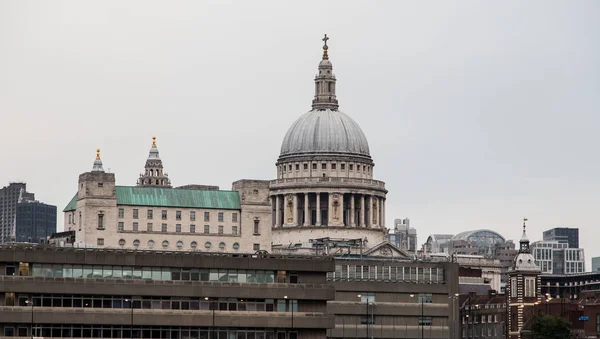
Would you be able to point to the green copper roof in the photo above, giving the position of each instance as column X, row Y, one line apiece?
column 171, row 197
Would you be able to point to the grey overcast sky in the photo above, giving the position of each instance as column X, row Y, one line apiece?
column 478, row 113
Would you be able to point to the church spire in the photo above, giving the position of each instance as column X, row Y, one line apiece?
column 153, row 175
column 325, row 83
column 524, row 242
column 98, row 163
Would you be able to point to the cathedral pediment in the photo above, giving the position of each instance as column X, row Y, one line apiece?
column 387, row 250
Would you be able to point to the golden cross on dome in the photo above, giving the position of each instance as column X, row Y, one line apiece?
column 153, row 141
column 325, row 39
column 97, row 153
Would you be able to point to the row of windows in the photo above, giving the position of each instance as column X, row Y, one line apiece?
column 491, row 318
column 152, row 273
column 157, row 332
column 165, row 244
column 324, row 167
column 178, row 215
column 160, row 303
column 387, row 273
column 178, row 228
column 481, row 331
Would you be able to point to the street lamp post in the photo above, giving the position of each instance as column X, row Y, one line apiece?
column 31, row 325
column 422, row 321
column 211, row 305
column 291, row 303
column 131, row 320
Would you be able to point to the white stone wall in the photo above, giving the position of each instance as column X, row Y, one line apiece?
column 296, row 235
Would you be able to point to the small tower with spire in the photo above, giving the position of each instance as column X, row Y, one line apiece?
column 523, row 290
column 154, row 175
column 325, row 83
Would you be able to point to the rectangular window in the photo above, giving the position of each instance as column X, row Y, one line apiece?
column 234, row 217
column 425, row 298
column 333, row 166
column 206, row 216
column 177, row 215
column 178, row 228
column 370, row 319
column 150, row 214
column 192, row 215
column 206, row 229
column 234, row 230
column 513, row 287
column 164, row 214
column 192, row 228
column 121, row 226
column 351, row 167
column 100, row 221
column 256, row 228
column 305, row 167
column 100, row 184
column 100, row 241
column 367, row 297
column 323, row 166
column 121, row 213
column 135, row 213
column 314, row 166
column 220, row 229
column 164, row 227
column 529, row 286
column 149, row 227
column 135, row 226
column 358, row 168
column 221, row 216
column 343, row 167
column 256, row 247
column 425, row 321
column 297, row 167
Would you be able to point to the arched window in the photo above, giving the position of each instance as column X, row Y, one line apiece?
column 150, row 243
column 165, row 244
column 194, row 245
column 207, row 244
column 136, row 243
column 222, row 245
column 179, row 244
column 151, row 173
column 122, row 242
column 236, row 246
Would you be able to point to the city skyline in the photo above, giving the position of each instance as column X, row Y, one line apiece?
column 469, row 128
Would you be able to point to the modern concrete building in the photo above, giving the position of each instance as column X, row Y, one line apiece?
column 566, row 235
column 35, row 222
column 9, row 198
column 103, row 293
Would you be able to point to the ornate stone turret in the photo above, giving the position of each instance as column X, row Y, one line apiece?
column 325, row 83
column 523, row 290
column 98, row 163
column 154, row 175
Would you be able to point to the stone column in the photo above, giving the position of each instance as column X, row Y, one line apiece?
column 341, row 221
column 362, row 211
column 370, row 216
column 352, row 212
column 306, row 211
column 380, row 206
column 318, row 223
column 277, row 211
column 296, row 221
column 383, row 210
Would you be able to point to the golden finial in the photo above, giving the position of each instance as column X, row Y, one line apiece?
column 98, row 153
column 153, row 141
column 325, row 47
column 524, row 221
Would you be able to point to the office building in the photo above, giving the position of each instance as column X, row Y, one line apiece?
column 9, row 198
column 403, row 236
column 554, row 257
column 595, row 264
column 564, row 235
column 35, row 222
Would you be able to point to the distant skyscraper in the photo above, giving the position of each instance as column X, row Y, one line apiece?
column 563, row 235
column 403, row 236
column 9, row 197
column 35, row 221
